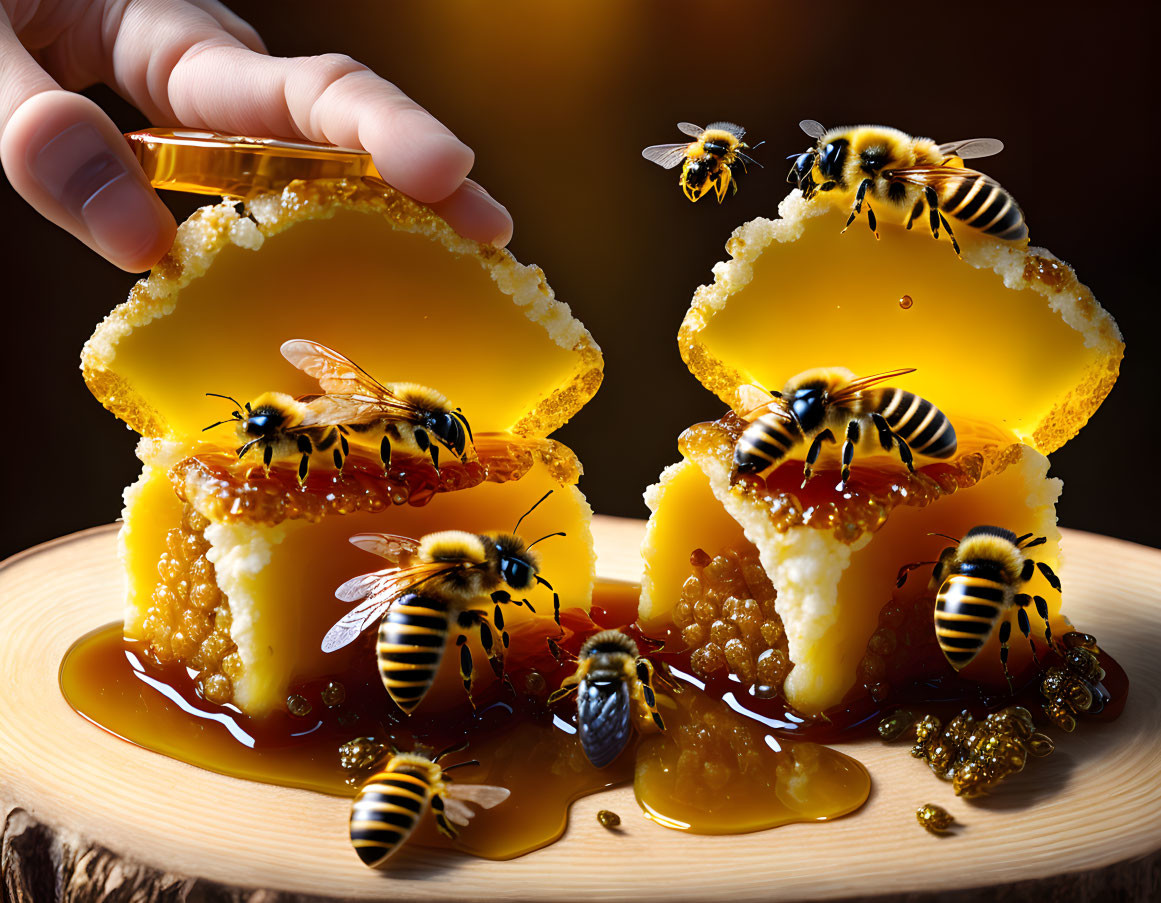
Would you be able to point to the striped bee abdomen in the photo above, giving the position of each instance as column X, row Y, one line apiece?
column 982, row 204
column 412, row 638
column 966, row 610
column 385, row 812
column 918, row 422
column 763, row 443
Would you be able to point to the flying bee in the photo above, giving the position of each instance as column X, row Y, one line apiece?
column 915, row 174
column 611, row 680
column 283, row 427
column 391, row 802
column 977, row 581
column 816, row 402
column 355, row 402
column 711, row 161
column 435, row 583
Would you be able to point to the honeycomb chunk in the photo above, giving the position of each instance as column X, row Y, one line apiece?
column 362, row 269
column 1006, row 335
column 834, row 570
column 243, row 593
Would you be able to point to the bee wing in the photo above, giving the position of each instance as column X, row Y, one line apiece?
column 483, row 795
column 688, row 128
column 935, row 176
column 732, row 127
column 812, row 128
column 378, row 590
column 396, row 549
column 604, row 719
column 666, row 156
column 334, row 372
column 333, row 410
column 972, row 148
column 756, row 401
column 863, row 382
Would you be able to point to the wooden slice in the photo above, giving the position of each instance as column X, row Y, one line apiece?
column 86, row 816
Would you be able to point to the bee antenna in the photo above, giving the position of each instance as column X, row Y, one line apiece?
column 245, row 448
column 530, row 510
column 541, row 580
column 219, row 423
column 237, row 403
column 455, row 747
column 544, row 537
column 945, row 536
column 461, row 765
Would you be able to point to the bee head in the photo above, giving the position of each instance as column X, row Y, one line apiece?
column 449, row 428
column 269, row 413
column 800, row 172
column 831, row 157
column 809, row 406
column 517, row 565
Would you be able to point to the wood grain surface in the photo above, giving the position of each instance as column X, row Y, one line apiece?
column 85, row 816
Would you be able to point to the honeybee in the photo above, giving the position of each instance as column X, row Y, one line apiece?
column 710, row 161
column 434, row 583
column 611, row 680
column 977, row 582
column 815, row 401
column 283, row 427
column 892, row 167
column 355, row 402
column 391, row 802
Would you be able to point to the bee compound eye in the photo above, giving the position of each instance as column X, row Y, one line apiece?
column 831, row 160
column 516, row 573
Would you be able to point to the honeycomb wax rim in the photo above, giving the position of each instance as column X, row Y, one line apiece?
column 1019, row 266
column 212, row 228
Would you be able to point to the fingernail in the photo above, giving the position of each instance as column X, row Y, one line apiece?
column 504, row 236
column 92, row 184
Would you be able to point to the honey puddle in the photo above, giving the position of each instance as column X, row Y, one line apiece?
column 713, row 771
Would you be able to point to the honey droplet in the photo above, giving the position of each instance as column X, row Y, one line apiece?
column 608, row 819
column 905, row 302
column 298, row 706
column 333, row 694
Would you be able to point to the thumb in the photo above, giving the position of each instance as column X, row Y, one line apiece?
column 69, row 161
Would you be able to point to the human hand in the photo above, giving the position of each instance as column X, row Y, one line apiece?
column 194, row 63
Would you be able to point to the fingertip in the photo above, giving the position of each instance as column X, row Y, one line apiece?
column 476, row 215
column 418, row 155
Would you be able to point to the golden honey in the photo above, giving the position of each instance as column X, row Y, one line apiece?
column 333, row 729
column 210, row 163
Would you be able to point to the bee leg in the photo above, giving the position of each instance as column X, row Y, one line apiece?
column 1049, row 575
column 886, row 437
column 853, row 433
column 858, row 208
column 932, row 211
column 488, row 642
column 916, row 212
column 812, row 454
column 466, row 666
column 645, row 677
column 305, row 448
column 1005, row 633
column 345, row 448
column 951, row 237
column 385, row 453
column 905, row 571
column 568, row 686
column 444, row 826
column 1042, row 610
column 1023, row 600
column 434, row 450
column 267, row 456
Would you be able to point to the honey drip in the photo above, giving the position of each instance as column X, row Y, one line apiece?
column 521, row 744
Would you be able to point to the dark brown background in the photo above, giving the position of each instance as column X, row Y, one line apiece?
column 559, row 98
